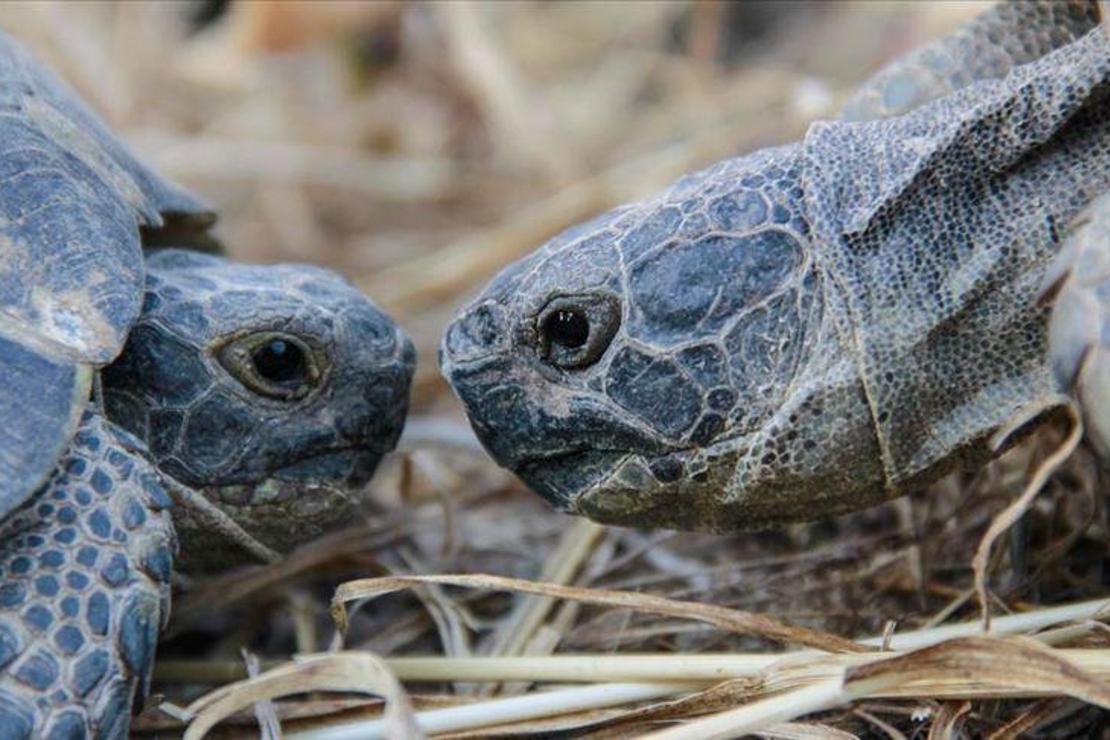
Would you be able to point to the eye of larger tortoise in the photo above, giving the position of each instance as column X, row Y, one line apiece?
column 568, row 327
column 272, row 364
column 574, row 331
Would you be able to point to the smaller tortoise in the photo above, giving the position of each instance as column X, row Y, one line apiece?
column 813, row 328
column 271, row 391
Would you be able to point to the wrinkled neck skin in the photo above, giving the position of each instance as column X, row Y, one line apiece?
column 924, row 351
column 939, row 246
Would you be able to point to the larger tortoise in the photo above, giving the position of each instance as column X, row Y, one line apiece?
column 261, row 396
column 812, row 328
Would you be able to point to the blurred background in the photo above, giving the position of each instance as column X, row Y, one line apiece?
column 419, row 147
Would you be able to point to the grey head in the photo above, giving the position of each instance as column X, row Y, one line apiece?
column 801, row 331
column 273, row 390
column 626, row 367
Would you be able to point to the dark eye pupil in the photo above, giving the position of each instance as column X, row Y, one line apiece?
column 567, row 328
column 279, row 361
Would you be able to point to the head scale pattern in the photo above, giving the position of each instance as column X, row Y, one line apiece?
column 264, row 387
column 702, row 305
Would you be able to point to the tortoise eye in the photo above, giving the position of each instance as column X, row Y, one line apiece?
column 272, row 364
column 575, row 331
column 567, row 327
column 281, row 362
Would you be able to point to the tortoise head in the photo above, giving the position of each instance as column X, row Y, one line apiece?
column 640, row 369
column 274, row 391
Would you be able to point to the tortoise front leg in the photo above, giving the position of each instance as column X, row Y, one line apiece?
column 84, row 590
column 1079, row 330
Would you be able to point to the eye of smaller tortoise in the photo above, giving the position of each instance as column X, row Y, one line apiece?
column 280, row 362
column 567, row 327
column 273, row 364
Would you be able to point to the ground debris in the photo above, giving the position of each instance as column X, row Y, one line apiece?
column 418, row 148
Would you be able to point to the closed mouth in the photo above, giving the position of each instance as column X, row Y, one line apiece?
column 565, row 458
column 561, row 477
column 540, row 458
column 350, row 466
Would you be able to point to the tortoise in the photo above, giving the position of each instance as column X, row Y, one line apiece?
column 263, row 397
column 812, row 328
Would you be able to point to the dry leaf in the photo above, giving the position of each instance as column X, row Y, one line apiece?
column 1017, row 664
column 978, row 665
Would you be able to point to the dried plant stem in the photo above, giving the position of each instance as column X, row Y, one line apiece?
column 218, row 520
column 1012, row 624
column 965, row 668
column 347, row 672
column 1012, row 513
column 733, row 620
column 524, row 631
column 268, row 724
column 530, row 610
column 587, row 668
column 765, row 713
column 664, row 667
column 501, row 711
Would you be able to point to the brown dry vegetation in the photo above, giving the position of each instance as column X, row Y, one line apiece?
column 419, row 147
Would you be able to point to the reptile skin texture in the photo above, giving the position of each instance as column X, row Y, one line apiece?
column 809, row 329
column 85, row 567
column 264, row 395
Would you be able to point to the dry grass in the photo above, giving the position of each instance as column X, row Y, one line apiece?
column 418, row 148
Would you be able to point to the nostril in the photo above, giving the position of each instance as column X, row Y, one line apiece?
column 408, row 352
column 478, row 332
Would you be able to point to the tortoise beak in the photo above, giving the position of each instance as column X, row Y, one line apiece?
column 480, row 331
column 358, row 442
column 352, row 466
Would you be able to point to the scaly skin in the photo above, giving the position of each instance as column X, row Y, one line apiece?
column 85, row 561
column 809, row 329
column 274, row 391
column 86, row 566
column 285, row 470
